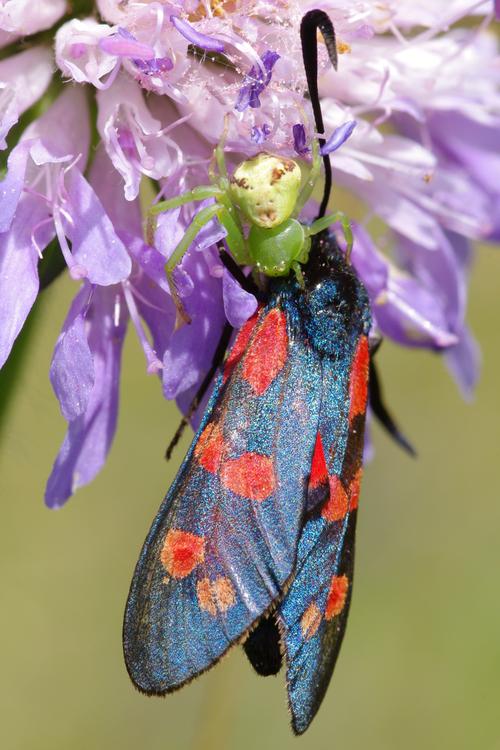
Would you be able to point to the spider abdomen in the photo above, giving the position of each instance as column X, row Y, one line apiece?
column 275, row 250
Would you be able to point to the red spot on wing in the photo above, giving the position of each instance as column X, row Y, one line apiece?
column 354, row 490
column 268, row 352
column 182, row 552
column 239, row 346
column 251, row 476
column 358, row 384
column 337, row 504
column 215, row 596
column 210, row 448
column 336, row 596
column 310, row 621
column 319, row 472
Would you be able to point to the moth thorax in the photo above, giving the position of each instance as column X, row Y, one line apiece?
column 266, row 188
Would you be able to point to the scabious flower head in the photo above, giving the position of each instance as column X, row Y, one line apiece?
column 411, row 120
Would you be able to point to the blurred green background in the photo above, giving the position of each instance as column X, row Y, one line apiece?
column 420, row 665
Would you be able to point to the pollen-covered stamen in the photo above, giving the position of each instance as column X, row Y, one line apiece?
column 154, row 364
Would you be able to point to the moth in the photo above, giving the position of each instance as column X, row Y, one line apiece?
column 254, row 542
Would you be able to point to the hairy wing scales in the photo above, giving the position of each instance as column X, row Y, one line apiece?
column 313, row 614
column 222, row 546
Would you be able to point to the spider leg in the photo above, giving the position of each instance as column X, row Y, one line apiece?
column 234, row 239
column 320, row 224
column 312, row 177
column 200, row 193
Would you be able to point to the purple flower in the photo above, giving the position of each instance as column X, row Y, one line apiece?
column 256, row 81
column 415, row 107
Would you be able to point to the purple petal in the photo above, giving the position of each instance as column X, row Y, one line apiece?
column 239, row 305
column 497, row 8
column 123, row 44
column 96, row 248
column 168, row 234
column 89, row 437
column 404, row 308
column 411, row 315
column 191, row 349
column 149, row 259
column 72, row 367
column 63, row 129
column 338, row 137
column 211, row 233
column 443, row 271
column 19, row 270
column 260, row 135
column 108, row 186
column 24, row 78
column 369, row 263
column 158, row 312
column 155, row 66
column 12, row 185
column 195, row 37
column 299, row 139
column 464, row 361
column 256, row 81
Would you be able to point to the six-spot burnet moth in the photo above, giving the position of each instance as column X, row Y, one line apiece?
column 254, row 542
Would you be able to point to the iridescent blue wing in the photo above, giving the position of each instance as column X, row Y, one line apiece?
column 313, row 615
column 224, row 542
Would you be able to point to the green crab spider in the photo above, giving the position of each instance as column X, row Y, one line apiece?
column 265, row 192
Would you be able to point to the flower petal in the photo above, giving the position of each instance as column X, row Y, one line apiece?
column 12, row 185
column 72, row 367
column 338, row 137
column 108, row 186
column 239, row 305
column 195, row 37
column 80, row 53
column 23, row 80
column 464, row 362
column 191, row 348
column 89, row 437
column 24, row 17
column 96, row 247
column 63, row 130
column 19, row 270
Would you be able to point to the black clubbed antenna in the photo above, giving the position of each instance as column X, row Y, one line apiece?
column 313, row 21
